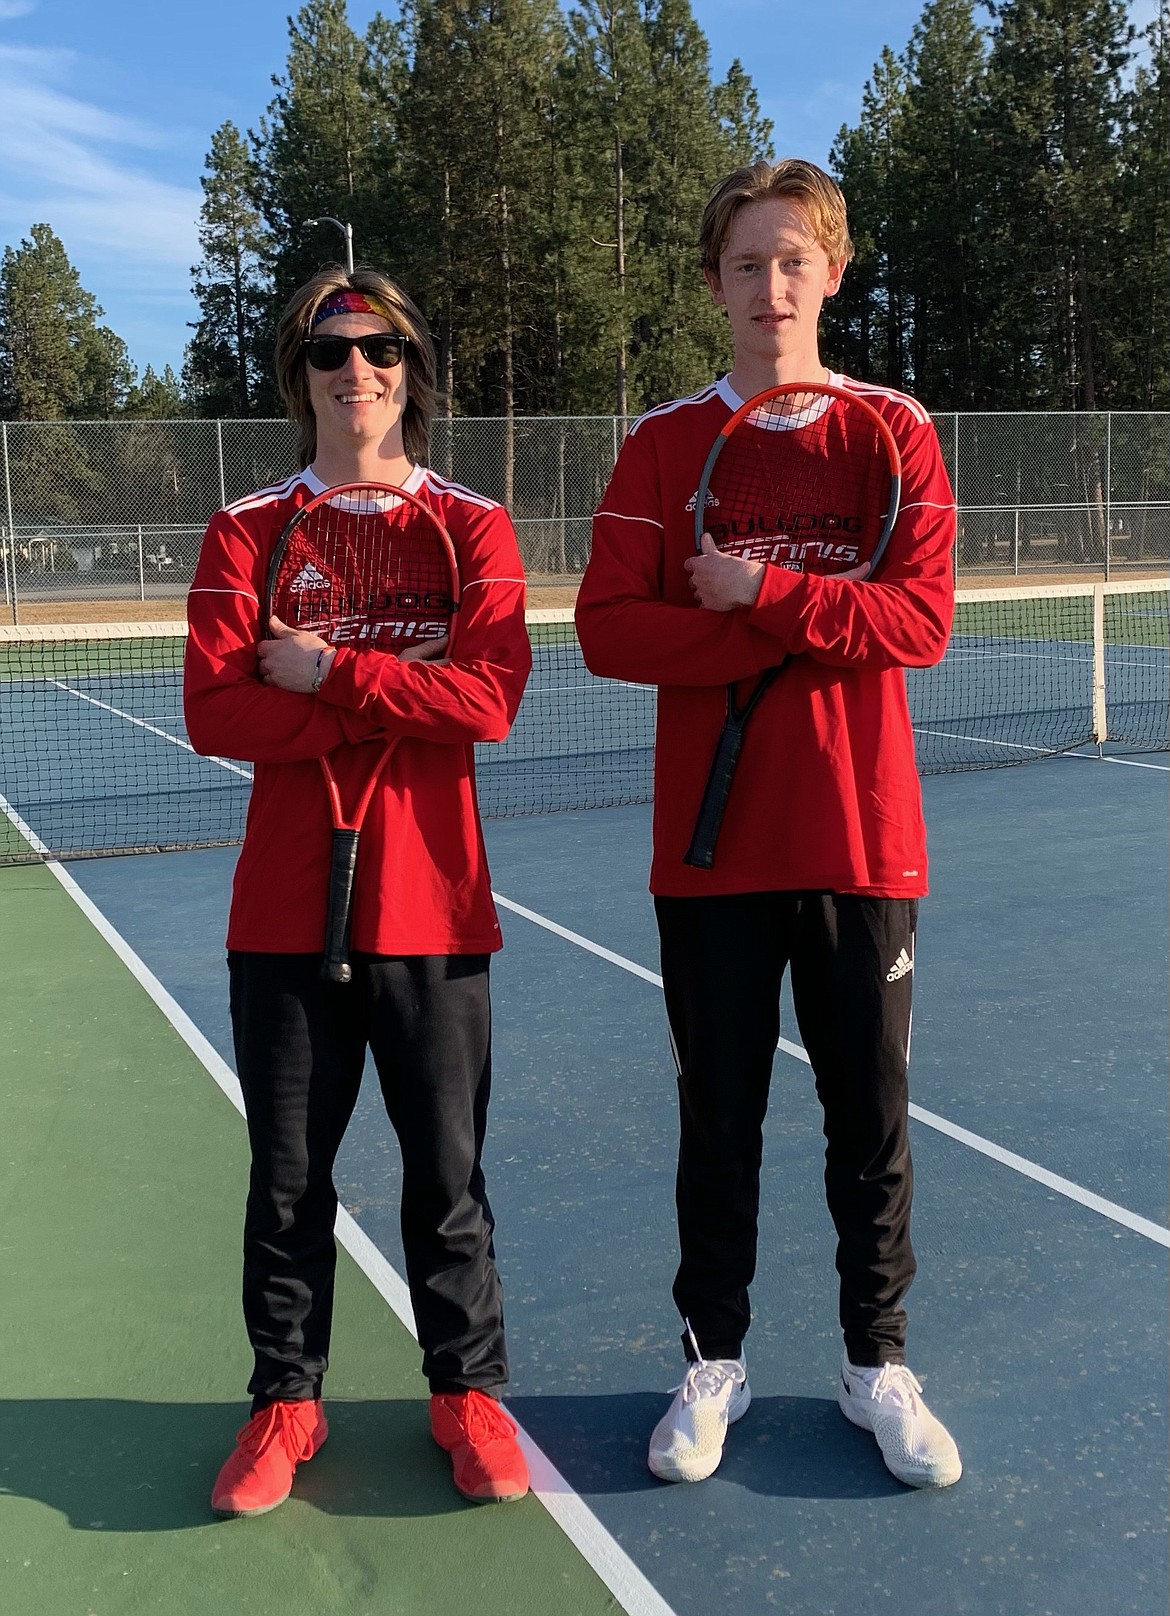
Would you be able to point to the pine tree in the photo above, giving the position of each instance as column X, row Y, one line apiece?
column 516, row 43
column 227, row 362
column 1143, row 327
column 944, row 178
column 440, row 135
column 613, row 94
column 477, row 176
column 502, row 162
column 40, row 299
column 322, row 141
column 155, row 397
column 1054, row 109
column 747, row 132
column 384, row 230
column 56, row 359
column 698, row 132
column 850, row 319
column 106, row 376
column 869, row 323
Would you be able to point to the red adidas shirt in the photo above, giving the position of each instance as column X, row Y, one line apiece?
column 422, row 884
column 827, row 795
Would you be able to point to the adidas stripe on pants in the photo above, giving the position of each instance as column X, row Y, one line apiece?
column 851, row 961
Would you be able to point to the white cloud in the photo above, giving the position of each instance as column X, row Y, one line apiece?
column 11, row 9
column 66, row 163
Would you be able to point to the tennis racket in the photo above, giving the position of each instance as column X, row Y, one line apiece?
column 373, row 568
column 806, row 477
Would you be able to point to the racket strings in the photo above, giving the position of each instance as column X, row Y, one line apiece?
column 808, row 490
column 366, row 569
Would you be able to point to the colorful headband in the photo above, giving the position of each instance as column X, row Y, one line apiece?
column 347, row 303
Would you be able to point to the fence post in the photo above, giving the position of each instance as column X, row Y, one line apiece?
column 1016, row 546
column 1108, row 491
column 562, row 528
column 219, row 456
column 10, row 543
column 141, row 567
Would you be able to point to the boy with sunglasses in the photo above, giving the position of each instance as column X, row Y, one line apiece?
column 356, row 370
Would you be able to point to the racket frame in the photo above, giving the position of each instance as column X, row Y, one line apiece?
column 700, row 854
column 347, row 827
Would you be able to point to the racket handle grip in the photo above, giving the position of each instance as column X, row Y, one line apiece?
column 701, row 853
column 335, row 965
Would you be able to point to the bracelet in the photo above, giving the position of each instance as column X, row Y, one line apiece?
column 319, row 676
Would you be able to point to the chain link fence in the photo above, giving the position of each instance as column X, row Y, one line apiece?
column 105, row 517
column 1059, row 495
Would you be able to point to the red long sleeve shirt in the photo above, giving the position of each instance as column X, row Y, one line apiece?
column 827, row 795
column 422, row 884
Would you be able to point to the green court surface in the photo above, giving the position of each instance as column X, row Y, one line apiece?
column 124, row 1171
column 1135, row 618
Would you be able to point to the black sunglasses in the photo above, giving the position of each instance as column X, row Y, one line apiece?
column 380, row 349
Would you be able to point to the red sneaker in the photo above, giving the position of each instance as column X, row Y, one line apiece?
column 259, row 1474
column 481, row 1439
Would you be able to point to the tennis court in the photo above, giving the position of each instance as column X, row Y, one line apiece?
column 96, row 758
column 1038, row 1321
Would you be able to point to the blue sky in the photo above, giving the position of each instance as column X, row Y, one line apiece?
column 107, row 108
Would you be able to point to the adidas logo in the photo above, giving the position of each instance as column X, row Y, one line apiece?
column 901, row 967
column 707, row 503
column 308, row 578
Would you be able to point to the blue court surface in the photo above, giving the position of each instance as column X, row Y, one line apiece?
column 1039, row 1315
column 96, row 756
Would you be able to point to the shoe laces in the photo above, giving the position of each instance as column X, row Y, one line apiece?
column 895, row 1384
column 482, row 1418
column 707, row 1377
column 278, row 1423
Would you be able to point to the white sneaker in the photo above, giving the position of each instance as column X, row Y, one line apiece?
column 687, row 1444
column 917, row 1448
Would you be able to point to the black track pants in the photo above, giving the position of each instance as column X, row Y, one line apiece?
column 851, row 960
column 300, row 1049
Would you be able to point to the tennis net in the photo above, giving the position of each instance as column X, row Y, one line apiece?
column 94, row 757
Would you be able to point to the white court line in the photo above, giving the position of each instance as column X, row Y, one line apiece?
column 153, row 729
column 634, row 1592
column 622, row 684
column 957, row 652
column 1007, row 1158
column 977, row 740
column 1110, row 757
column 1020, row 746
column 26, row 831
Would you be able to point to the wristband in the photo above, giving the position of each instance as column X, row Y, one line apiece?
column 319, row 675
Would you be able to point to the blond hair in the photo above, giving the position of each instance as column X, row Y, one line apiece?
column 791, row 178
column 402, row 314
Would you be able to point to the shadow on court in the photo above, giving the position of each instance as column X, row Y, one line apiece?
column 148, row 1467
column 784, row 1447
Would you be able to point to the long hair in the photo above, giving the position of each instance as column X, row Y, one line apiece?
column 418, row 356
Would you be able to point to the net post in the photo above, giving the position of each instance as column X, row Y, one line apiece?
column 1100, row 726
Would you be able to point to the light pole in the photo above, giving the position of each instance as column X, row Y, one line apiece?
column 347, row 232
